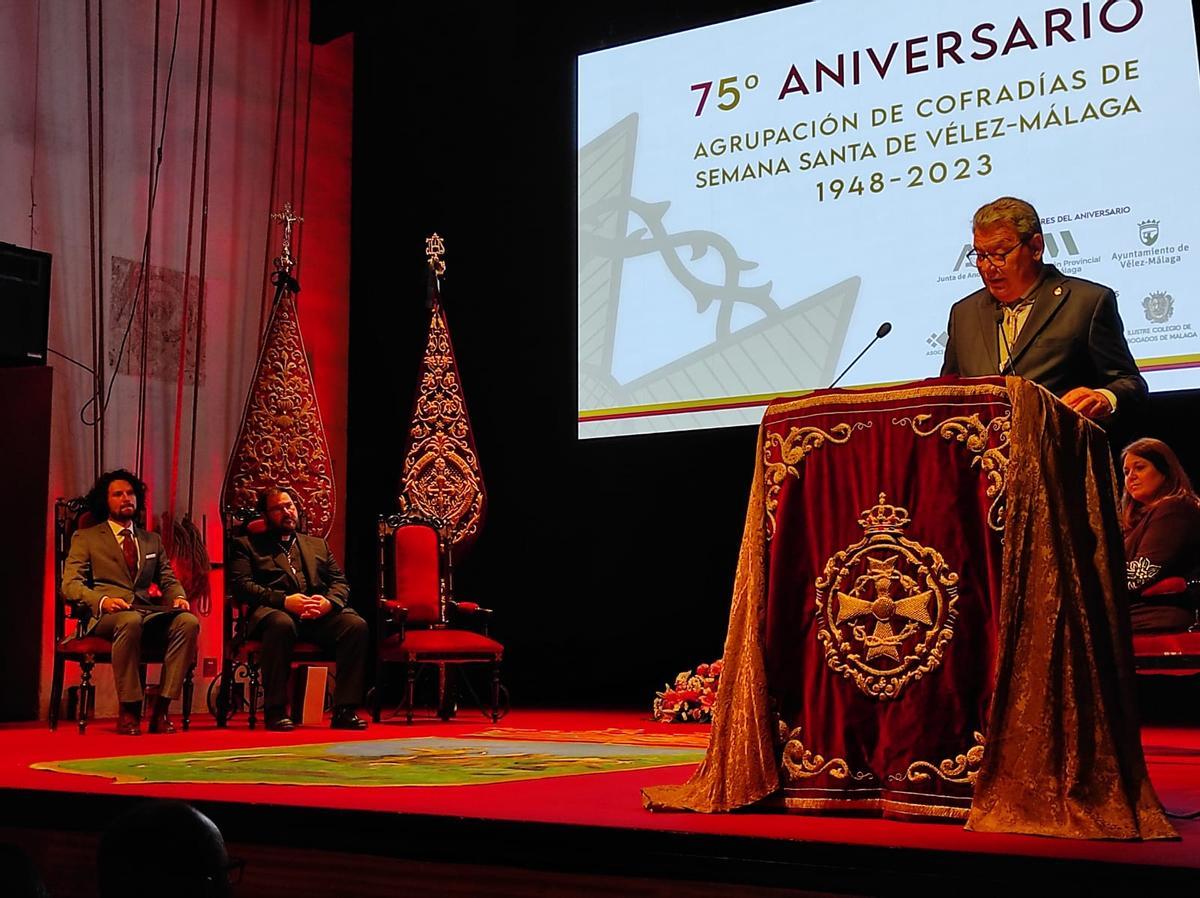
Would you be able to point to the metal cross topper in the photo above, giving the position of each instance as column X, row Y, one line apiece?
column 435, row 250
column 284, row 261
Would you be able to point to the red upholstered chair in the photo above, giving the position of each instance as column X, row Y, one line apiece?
column 70, row 621
column 420, row 622
column 241, row 661
column 1177, row 652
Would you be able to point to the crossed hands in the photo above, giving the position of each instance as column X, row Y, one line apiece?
column 307, row 607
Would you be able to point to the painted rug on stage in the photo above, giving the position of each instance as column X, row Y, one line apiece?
column 416, row 761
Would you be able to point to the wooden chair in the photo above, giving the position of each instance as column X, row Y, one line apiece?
column 70, row 622
column 242, row 653
column 419, row 618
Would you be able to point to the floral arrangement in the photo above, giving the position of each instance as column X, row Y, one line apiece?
column 691, row 698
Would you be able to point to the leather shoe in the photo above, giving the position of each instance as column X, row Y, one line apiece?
column 160, row 722
column 129, row 724
column 346, row 719
column 282, row 724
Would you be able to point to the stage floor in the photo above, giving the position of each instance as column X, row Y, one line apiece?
column 557, row 772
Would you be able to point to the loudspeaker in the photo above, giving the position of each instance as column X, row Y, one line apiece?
column 24, row 305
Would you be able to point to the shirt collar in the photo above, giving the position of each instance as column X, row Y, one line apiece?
column 117, row 528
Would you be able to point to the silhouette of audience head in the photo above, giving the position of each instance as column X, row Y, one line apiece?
column 164, row 848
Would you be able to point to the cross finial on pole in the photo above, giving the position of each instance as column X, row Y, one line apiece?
column 284, row 261
column 435, row 249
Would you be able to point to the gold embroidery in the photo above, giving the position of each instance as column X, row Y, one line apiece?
column 962, row 769
column 976, row 435
column 792, row 450
column 441, row 475
column 801, row 763
column 877, row 804
column 875, row 395
column 281, row 441
column 897, row 582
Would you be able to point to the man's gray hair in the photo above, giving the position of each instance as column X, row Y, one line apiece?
column 1010, row 211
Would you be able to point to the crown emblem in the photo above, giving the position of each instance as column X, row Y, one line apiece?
column 886, row 606
column 1149, row 223
column 884, row 517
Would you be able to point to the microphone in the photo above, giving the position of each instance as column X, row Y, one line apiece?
column 884, row 330
column 1007, row 366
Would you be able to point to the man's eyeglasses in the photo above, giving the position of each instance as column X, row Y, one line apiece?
column 997, row 259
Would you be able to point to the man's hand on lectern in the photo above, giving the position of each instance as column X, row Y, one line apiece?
column 1088, row 402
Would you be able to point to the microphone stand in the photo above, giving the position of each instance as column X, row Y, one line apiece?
column 884, row 330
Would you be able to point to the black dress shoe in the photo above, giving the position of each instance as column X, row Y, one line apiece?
column 160, row 722
column 346, row 719
column 128, row 724
column 280, row 724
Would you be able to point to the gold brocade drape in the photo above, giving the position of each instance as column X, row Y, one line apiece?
column 740, row 766
column 1063, row 756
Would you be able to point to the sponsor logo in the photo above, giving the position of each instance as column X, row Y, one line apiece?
column 1159, row 307
column 1148, row 231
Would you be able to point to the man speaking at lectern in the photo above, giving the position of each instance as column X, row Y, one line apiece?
column 1033, row 321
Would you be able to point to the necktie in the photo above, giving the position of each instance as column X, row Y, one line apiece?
column 1011, row 325
column 130, row 550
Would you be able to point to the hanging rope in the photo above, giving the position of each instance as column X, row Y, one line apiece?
column 212, row 41
column 304, row 161
column 180, row 373
column 140, row 290
column 97, row 382
column 182, row 539
column 287, row 27
column 144, row 357
column 37, row 81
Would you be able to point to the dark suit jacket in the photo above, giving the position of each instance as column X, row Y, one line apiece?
column 260, row 575
column 1073, row 337
column 95, row 569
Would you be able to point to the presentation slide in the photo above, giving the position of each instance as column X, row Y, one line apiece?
column 757, row 197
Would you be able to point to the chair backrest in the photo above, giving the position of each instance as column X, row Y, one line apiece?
column 417, row 572
column 237, row 522
column 69, row 515
column 242, row 522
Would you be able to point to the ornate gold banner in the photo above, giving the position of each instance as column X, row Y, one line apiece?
column 441, row 477
column 282, row 441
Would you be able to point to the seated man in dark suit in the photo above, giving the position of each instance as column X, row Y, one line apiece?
column 295, row 589
column 111, row 567
column 1033, row 321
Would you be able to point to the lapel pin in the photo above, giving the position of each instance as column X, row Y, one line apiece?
column 1058, row 291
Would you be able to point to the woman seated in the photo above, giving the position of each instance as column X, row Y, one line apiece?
column 1160, row 517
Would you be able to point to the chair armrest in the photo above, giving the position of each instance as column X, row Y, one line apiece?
column 470, row 608
column 1168, row 586
column 473, row 615
column 392, row 616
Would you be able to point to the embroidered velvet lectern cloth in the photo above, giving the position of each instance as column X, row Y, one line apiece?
column 928, row 619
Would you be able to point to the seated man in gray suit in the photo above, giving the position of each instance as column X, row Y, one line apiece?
column 111, row 567
column 1033, row 321
column 296, row 590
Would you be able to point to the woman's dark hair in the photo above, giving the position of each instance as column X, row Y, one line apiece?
column 97, row 499
column 1176, row 483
